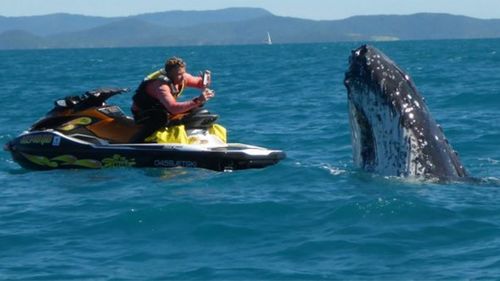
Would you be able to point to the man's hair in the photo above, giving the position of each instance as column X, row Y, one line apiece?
column 174, row 62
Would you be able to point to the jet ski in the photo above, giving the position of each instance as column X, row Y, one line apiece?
column 85, row 132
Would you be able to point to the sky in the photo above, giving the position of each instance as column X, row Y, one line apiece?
column 309, row 9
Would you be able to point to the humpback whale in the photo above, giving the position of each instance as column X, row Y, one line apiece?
column 392, row 130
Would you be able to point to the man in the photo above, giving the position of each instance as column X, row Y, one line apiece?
column 156, row 97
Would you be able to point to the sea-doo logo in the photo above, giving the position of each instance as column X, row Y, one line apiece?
column 36, row 139
column 173, row 163
column 56, row 141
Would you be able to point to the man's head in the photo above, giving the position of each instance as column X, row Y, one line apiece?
column 175, row 68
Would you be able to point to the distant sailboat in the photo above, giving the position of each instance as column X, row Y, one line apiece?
column 269, row 41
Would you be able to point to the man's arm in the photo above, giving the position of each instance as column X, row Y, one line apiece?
column 193, row 81
column 162, row 93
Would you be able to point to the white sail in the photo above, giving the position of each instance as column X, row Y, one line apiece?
column 269, row 41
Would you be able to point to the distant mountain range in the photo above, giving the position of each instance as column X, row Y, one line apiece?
column 229, row 26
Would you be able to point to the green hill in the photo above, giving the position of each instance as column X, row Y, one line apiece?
column 230, row 26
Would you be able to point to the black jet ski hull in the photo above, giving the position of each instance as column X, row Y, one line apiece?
column 43, row 150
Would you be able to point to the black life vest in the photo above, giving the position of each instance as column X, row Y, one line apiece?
column 148, row 108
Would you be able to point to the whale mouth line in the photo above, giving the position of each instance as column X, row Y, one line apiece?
column 367, row 142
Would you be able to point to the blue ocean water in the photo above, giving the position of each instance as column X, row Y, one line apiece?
column 311, row 217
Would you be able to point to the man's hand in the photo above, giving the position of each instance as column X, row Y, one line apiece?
column 206, row 95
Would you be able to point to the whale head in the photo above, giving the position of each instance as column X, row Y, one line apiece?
column 392, row 130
